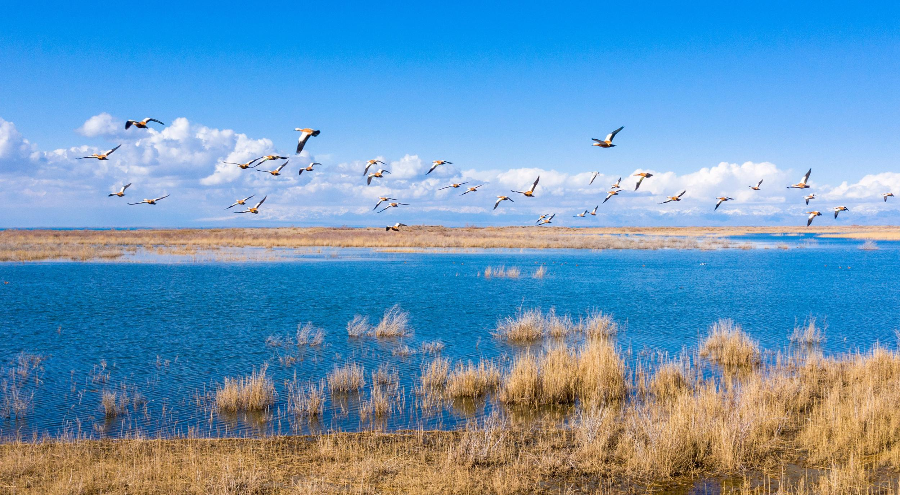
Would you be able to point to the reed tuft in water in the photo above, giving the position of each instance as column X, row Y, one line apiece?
column 248, row 393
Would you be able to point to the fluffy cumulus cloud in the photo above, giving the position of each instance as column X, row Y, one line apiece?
column 195, row 165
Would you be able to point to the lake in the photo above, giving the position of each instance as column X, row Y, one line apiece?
column 169, row 331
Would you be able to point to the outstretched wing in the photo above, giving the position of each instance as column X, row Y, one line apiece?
column 681, row 194
column 301, row 141
column 114, row 149
column 613, row 133
column 126, row 186
column 636, row 186
column 163, row 197
column 432, row 168
column 806, row 177
column 593, row 177
column 261, row 201
column 759, row 183
column 129, row 123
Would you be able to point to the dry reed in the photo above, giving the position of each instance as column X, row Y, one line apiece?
column 728, row 346
column 248, row 393
column 347, row 378
column 394, row 323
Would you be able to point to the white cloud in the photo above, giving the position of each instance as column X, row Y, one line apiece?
column 186, row 159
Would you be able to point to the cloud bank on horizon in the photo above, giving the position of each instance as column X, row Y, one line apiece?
column 50, row 188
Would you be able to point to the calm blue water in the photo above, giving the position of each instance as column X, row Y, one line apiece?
column 171, row 331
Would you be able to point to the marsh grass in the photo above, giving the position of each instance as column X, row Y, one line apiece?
column 306, row 400
column 471, row 381
column 347, row 378
column 830, row 422
column 808, row 334
column 502, row 272
column 869, row 245
column 394, row 323
column 526, row 327
column 359, row 326
column 432, row 348
column 539, row 272
column 436, row 373
column 248, row 393
column 728, row 346
column 309, row 335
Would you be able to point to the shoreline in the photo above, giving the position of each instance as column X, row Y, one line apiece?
column 107, row 245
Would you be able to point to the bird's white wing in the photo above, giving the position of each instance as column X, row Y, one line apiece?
column 261, row 201
column 162, row 197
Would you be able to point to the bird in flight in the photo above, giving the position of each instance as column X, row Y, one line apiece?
column 150, row 201
column 454, row 185
column 582, row 214
column 616, row 185
column 270, row 157
column 838, row 209
column 547, row 220
column 802, row 183
column 437, row 163
column 254, row 209
column 529, row 193
column 606, row 143
column 809, row 197
column 245, row 166
column 304, row 137
column 593, row 176
column 121, row 191
column 141, row 124
column 395, row 227
column 277, row 171
column 393, row 205
column 812, row 214
column 370, row 163
column 887, row 195
column 594, row 211
column 642, row 175
column 677, row 197
column 101, row 156
column 610, row 194
column 240, row 201
column 502, row 198
column 471, row 189
column 756, row 187
column 722, row 200
column 543, row 216
column 382, row 199
column 376, row 175
column 309, row 168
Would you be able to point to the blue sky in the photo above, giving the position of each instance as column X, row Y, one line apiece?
column 504, row 92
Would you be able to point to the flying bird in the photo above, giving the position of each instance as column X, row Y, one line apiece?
column 121, row 191
column 382, row 199
column 838, row 209
column 240, row 201
column 277, row 171
column 802, row 183
column 471, row 189
column 309, row 168
column 502, row 198
column 376, row 175
column 529, row 193
column 546, row 220
column 150, row 201
column 304, row 137
column 254, row 209
column 616, row 185
column 393, row 205
column 594, row 211
column 543, row 216
column 677, row 197
column 812, row 214
column 642, row 175
column 437, row 163
column 141, row 124
column 610, row 194
column 756, row 187
column 270, row 157
column 370, row 163
column 809, row 197
column 606, row 143
column 582, row 214
column 593, row 176
column 722, row 200
column 454, row 185
column 887, row 195
column 245, row 166
column 395, row 227
column 101, row 156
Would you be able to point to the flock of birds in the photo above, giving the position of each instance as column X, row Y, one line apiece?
column 306, row 133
